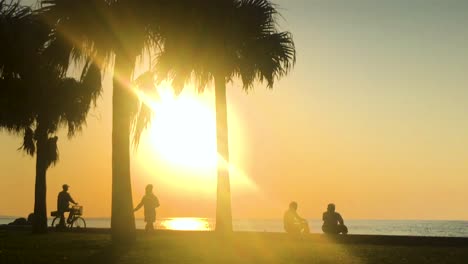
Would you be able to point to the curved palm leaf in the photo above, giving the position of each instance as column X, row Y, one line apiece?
column 240, row 39
column 29, row 146
column 145, row 84
column 52, row 154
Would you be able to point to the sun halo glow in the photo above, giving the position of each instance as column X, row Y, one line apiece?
column 182, row 140
column 183, row 129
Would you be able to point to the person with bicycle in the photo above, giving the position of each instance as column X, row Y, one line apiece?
column 63, row 205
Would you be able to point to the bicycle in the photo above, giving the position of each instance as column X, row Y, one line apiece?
column 76, row 221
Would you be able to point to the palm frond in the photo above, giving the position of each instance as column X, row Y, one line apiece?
column 234, row 38
column 16, row 105
column 143, row 115
column 140, row 123
column 79, row 30
column 51, row 151
column 266, row 59
column 22, row 36
column 91, row 82
column 29, row 146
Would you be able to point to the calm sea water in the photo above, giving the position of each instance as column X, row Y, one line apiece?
column 371, row 227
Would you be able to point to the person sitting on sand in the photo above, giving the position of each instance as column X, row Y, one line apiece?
column 150, row 202
column 293, row 223
column 30, row 219
column 333, row 222
column 63, row 205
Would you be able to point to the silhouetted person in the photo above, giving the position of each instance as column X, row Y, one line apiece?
column 30, row 218
column 293, row 223
column 23, row 221
column 19, row 222
column 150, row 202
column 333, row 222
column 63, row 205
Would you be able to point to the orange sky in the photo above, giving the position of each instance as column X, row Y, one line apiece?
column 373, row 118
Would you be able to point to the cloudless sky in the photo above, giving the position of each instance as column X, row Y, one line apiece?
column 373, row 118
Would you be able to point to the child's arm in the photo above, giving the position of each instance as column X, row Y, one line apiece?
column 139, row 206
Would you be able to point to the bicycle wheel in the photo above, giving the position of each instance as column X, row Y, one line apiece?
column 56, row 221
column 78, row 223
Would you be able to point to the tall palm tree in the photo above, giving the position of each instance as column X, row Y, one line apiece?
column 36, row 97
column 220, row 40
column 122, row 30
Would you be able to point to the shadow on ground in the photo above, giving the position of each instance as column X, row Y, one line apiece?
column 208, row 247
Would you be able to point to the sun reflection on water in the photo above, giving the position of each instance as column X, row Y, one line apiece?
column 186, row 223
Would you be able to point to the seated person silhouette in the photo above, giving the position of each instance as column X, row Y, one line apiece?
column 63, row 205
column 333, row 222
column 150, row 203
column 293, row 223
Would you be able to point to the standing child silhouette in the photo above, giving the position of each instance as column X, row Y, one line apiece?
column 150, row 202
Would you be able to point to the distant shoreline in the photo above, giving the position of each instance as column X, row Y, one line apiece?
column 264, row 219
column 385, row 240
column 417, row 228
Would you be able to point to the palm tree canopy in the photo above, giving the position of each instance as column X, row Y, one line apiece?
column 34, row 91
column 21, row 36
column 234, row 38
column 49, row 98
column 100, row 29
column 101, row 26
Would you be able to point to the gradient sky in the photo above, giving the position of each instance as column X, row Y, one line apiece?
column 374, row 118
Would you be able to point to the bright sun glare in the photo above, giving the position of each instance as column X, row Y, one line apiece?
column 184, row 130
column 188, row 223
column 182, row 134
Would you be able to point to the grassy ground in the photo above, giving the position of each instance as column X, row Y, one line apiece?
column 192, row 247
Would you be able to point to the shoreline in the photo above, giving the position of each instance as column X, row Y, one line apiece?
column 388, row 240
column 361, row 227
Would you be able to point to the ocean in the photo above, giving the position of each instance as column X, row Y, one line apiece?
column 436, row 228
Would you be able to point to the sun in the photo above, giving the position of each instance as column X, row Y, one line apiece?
column 179, row 146
column 183, row 129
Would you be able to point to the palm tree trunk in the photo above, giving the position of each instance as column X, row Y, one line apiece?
column 223, row 195
column 40, row 209
column 122, row 218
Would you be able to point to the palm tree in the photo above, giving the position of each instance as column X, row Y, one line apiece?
column 219, row 40
column 36, row 98
column 122, row 30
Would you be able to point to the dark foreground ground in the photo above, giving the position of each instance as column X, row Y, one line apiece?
column 94, row 246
